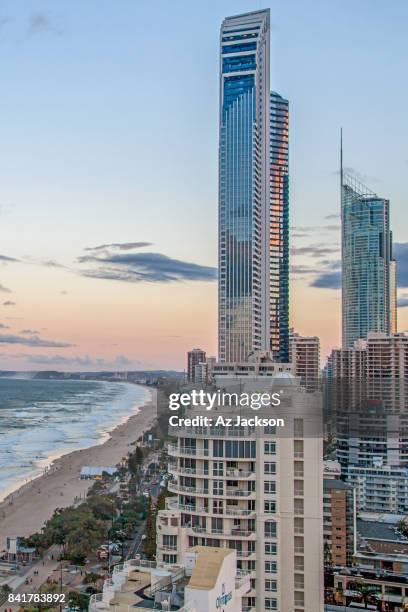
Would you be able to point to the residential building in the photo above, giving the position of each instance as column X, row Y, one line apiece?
column 388, row 590
column 379, row 489
column 257, row 492
column 368, row 266
column 258, row 364
column 304, row 354
column 338, row 522
column 279, row 228
column 207, row 582
column 194, row 357
column 253, row 196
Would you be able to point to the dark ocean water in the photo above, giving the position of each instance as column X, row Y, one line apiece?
column 41, row 419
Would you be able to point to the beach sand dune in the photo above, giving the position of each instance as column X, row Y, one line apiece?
column 25, row 511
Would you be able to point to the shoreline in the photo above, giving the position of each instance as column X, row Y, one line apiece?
column 40, row 466
column 24, row 510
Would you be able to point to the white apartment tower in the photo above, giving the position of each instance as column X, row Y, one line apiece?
column 257, row 491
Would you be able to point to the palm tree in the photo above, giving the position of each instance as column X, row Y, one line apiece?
column 366, row 592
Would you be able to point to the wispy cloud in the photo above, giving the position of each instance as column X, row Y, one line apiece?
column 9, row 303
column 327, row 280
column 29, row 331
column 4, row 289
column 121, row 246
column 142, row 267
column 315, row 250
column 6, row 259
column 2, row 326
column 31, row 341
column 79, row 361
column 40, row 23
column 401, row 255
column 402, row 301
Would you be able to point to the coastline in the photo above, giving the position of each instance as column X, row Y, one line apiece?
column 25, row 510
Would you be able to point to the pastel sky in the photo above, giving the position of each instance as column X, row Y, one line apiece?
column 108, row 168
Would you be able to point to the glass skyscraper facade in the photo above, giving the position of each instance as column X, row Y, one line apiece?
column 368, row 267
column 279, row 227
column 253, row 195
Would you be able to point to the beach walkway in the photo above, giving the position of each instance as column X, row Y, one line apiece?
column 45, row 568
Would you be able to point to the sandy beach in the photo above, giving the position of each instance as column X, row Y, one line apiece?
column 24, row 511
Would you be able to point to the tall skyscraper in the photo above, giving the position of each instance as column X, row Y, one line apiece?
column 368, row 267
column 279, row 228
column 244, row 194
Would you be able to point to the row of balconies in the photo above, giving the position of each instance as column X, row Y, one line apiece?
column 233, row 473
column 234, row 532
column 219, row 432
column 225, row 492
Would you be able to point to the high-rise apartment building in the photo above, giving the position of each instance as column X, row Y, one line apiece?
column 253, row 196
column 194, row 357
column 255, row 491
column 368, row 266
column 279, row 228
column 304, row 354
column 368, row 404
column 339, row 518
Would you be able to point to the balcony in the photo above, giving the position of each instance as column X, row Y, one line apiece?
column 187, row 451
column 235, row 533
column 174, row 487
column 214, row 432
column 235, row 474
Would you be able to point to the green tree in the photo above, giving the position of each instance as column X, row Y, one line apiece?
column 366, row 593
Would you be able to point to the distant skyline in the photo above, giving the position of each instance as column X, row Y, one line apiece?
column 108, row 173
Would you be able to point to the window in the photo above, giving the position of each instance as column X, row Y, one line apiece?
column 271, row 586
column 298, row 428
column 270, row 467
column 271, row 567
column 218, row 467
column 270, row 529
column 170, row 559
column 269, row 487
column 218, row 487
column 270, row 548
column 218, row 448
column 271, row 603
column 270, row 448
column 270, row 507
column 170, row 541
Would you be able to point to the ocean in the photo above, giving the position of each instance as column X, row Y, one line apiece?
column 40, row 420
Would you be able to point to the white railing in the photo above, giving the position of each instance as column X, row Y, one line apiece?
column 231, row 473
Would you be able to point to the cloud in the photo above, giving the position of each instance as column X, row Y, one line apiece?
column 78, row 361
column 63, row 292
column 315, row 250
column 9, row 303
column 3, row 22
column 6, row 259
column 31, row 341
column 144, row 267
column 402, row 301
column 401, row 255
column 332, row 216
column 29, row 331
column 327, row 280
column 4, row 289
column 2, row 326
column 39, row 23
column 121, row 246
